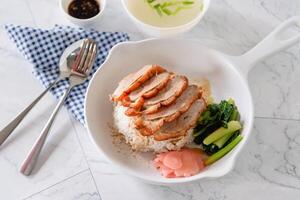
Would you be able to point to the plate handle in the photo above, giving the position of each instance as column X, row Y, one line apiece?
column 284, row 36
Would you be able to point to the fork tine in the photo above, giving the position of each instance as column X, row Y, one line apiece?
column 84, row 56
column 88, row 57
column 80, row 54
column 91, row 58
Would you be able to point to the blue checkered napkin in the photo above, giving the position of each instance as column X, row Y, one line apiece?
column 43, row 48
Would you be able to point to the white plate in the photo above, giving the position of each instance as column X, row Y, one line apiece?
column 186, row 57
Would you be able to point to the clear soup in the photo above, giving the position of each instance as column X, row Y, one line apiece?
column 165, row 13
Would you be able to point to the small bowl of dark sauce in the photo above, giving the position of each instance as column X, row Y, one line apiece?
column 83, row 12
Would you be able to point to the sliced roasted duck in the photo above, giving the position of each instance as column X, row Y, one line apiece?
column 151, row 87
column 182, row 104
column 147, row 90
column 166, row 96
column 149, row 124
column 162, row 105
column 135, row 80
column 182, row 124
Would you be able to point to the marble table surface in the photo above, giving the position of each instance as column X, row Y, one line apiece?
column 70, row 167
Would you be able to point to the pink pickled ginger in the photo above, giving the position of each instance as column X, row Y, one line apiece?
column 183, row 163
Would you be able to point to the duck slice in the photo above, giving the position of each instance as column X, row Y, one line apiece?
column 151, row 87
column 147, row 128
column 166, row 96
column 134, row 80
column 149, row 124
column 182, row 104
column 182, row 124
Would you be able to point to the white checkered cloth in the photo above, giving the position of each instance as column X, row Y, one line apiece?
column 43, row 48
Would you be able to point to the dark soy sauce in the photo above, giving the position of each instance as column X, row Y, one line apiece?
column 84, row 9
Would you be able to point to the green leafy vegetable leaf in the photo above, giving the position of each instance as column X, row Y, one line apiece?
column 215, row 116
column 172, row 7
column 187, row 2
column 166, row 11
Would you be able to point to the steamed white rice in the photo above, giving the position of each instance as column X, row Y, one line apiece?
column 125, row 126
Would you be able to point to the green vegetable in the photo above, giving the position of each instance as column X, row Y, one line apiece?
column 171, row 7
column 177, row 10
column 217, row 112
column 232, row 126
column 210, row 149
column 235, row 115
column 235, row 134
column 226, row 110
column 187, row 2
column 166, row 11
column 203, row 132
column 231, row 101
column 217, row 127
column 222, row 141
column 213, row 158
column 207, row 119
column 215, row 116
column 158, row 10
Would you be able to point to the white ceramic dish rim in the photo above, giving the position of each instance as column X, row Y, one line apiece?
column 190, row 23
column 270, row 45
column 102, row 8
column 127, row 170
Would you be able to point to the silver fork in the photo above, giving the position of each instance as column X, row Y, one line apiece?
column 79, row 74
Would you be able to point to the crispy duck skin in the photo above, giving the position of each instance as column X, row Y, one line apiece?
column 182, row 124
column 134, row 81
column 149, row 89
column 153, row 122
column 166, row 96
